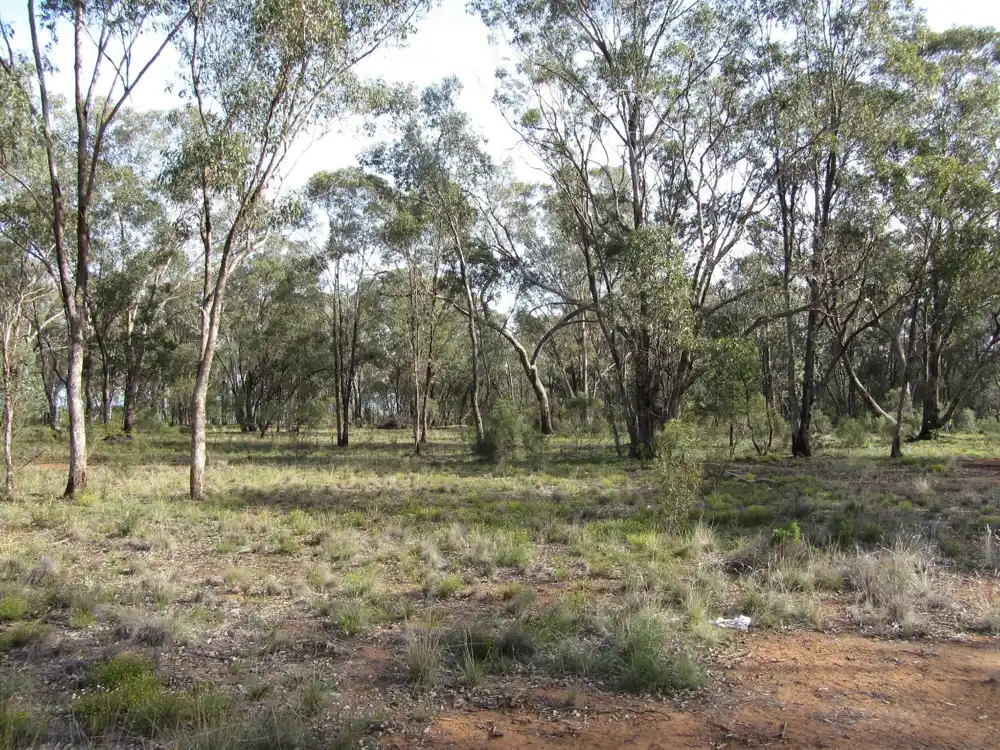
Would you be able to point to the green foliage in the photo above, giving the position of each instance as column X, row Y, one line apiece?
column 508, row 436
column 854, row 433
column 646, row 658
column 22, row 634
column 680, row 453
column 964, row 420
column 125, row 693
column 787, row 534
column 13, row 606
column 19, row 728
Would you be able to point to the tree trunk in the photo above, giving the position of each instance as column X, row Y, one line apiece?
column 211, row 314
column 106, row 396
column 477, row 415
column 643, row 444
column 199, row 397
column 129, row 399
column 585, row 367
column 897, row 448
column 77, row 480
column 8, row 436
column 930, row 421
column 801, row 439
column 8, row 406
column 198, row 451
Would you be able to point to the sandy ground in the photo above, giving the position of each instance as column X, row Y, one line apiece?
column 794, row 690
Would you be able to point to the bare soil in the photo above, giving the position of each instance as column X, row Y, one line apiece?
column 795, row 690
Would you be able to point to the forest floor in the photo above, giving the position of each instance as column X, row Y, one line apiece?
column 367, row 597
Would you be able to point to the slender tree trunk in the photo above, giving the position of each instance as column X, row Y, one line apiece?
column 6, row 354
column 930, row 421
column 130, row 398
column 477, row 415
column 585, row 367
column 198, row 450
column 77, row 480
column 644, row 446
column 801, row 438
column 199, row 397
column 106, row 396
column 8, row 436
column 897, row 447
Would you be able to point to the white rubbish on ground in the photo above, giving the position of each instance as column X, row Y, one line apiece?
column 741, row 622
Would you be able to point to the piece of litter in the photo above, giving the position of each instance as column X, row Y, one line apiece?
column 741, row 622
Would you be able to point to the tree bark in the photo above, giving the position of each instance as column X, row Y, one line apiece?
column 930, row 421
column 129, row 399
column 8, row 436
column 9, row 335
column 897, row 448
column 801, row 438
column 77, row 480
column 477, row 415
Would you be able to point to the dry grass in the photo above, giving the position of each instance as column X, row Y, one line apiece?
column 309, row 570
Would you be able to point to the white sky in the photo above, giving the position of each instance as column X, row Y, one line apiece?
column 448, row 42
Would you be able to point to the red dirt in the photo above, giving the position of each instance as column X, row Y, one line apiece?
column 982, row 465
column 797, row 690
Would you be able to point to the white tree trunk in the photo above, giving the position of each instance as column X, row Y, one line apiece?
column 77, row 480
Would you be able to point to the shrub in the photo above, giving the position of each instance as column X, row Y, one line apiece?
column 13, row 607
column 853, row 433
column 680, row 459
column 18, row 727
column 22, row 634
column 890, row 581
column 508, row 435
column 787, row 534
column 964, row 420
column 448, row 586
column 124, row 693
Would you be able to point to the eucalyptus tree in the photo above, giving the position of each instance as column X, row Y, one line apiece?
column 419, row 253
column 22, row 283
column 23, row 241
column 945, row 191
column 821, row 67
column 640, row 114
column 271, row 346
column 257, row 76
column 109, row 63
column 438, row 162
column 356, row 210
column 137, row 262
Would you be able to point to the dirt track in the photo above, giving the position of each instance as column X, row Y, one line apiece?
column 801, row 690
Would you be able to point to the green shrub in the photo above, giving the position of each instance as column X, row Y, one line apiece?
column 788, row 534
column 13, row 607
column 22, row 634
column 125, row 693
column 448, row 586
column 853, row 433
column 680, row 456
column 18, row 727
column 963, row 420
column 755, row 515
column 508, row 435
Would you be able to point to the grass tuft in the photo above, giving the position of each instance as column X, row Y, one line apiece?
column 424, row 659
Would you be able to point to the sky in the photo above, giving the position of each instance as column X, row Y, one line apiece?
column 447, row 42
